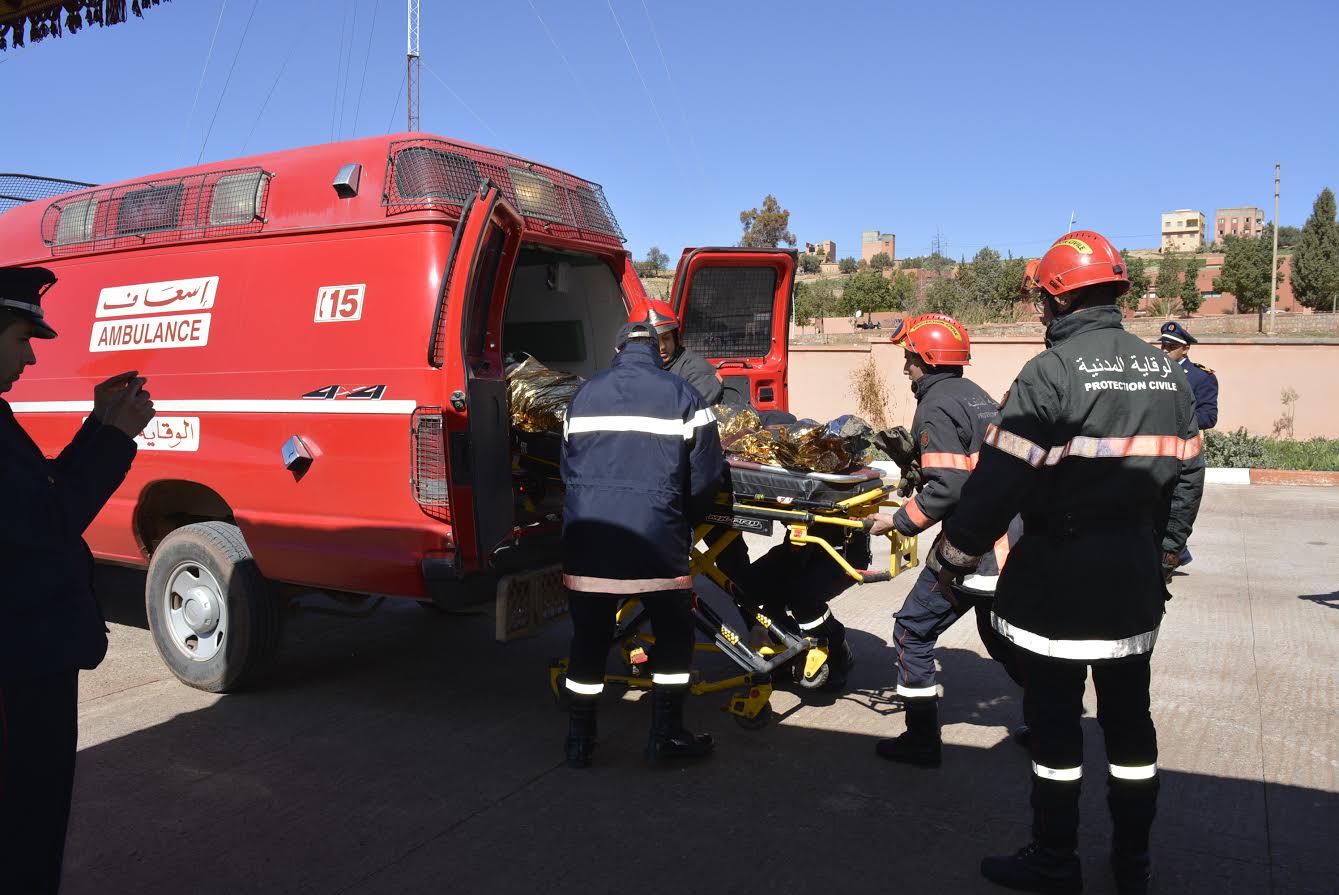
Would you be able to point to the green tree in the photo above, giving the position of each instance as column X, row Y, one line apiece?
column 943, row 296
column 1169, row 273
column 938, row 263
column 980, row 280
column 881, row 261
column 810, row 263
column 914, row 263
column 1246, row 268
column 1289, row 237
column 848, row 265
column 1010, row 289
column 867, row 291
column 1315, row 274
column 766, row 228
column 645, row 268
column 814, row 301
column 902, row 291
column 658, row 259
column 1191, row 297
column 1140, row 282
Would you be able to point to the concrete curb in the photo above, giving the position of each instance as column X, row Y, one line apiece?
column 1216, row 475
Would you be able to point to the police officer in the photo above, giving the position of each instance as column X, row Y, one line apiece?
column 641, row 464
column 952, row 413
column 1098, row 447
column 1176, row 342
column 674, row 355
column 50, row 624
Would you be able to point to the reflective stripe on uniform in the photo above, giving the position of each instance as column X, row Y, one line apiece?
column 916, row 514
column 1134, row 772
column 917, row 692
column 809, row 626
column 591, row 584
column 1062, row 775
column 1089, row 447
column 1077, row 650
column 649, row 425
column 677, row 679
column 983, row 583
column 585, row 689
column 949, row 461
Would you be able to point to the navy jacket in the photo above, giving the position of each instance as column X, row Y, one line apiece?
column 641, row 465
column 49, row 619
column 1204, row 385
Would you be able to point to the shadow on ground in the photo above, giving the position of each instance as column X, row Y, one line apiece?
column 410, row 753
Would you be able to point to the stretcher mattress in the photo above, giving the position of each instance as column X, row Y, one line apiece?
column 754, row 481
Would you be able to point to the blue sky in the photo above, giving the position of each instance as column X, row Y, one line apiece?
column 989, row 122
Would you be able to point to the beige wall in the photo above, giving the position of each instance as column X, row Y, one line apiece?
column 1182, row 230
column 1250, row 379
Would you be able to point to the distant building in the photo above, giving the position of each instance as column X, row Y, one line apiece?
column 827, row 249
column 872, row 242
column 1244, row 221
column 1182, row 230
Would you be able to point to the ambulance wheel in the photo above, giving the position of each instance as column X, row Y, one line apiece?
column 811, row 683
column 758, row 721
column 214, row 619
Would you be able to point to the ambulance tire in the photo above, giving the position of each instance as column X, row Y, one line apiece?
column 245, row 639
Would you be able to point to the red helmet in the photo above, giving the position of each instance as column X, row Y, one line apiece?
column 940, row 340
column 1030, row 275
column 656, row 314
column 1078, row 259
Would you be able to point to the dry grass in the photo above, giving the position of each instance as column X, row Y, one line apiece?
column 871, row 395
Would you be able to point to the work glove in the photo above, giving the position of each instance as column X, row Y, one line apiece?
column 897, row 444
column 911, row 480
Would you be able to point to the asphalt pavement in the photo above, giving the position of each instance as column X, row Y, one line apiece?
column 408, row 752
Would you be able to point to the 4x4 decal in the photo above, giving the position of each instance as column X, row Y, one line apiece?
column 336, row 392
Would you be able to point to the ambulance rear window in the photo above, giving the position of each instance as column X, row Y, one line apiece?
column 422, row 173
column 729, row 311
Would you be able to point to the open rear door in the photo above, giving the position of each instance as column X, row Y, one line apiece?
column 734, row 304
column 468, row 346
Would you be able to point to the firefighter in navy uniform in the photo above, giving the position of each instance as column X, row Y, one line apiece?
column 1097, row 446
column 641, row 464
column 952, row 413
column 50, row 624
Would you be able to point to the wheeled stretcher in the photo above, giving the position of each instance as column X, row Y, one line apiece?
column 758, row 497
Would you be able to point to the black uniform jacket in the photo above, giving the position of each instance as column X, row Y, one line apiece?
column 1098, row 448
column 952, row 414
column 641, row 464
column 688, row 364
column 49, row 619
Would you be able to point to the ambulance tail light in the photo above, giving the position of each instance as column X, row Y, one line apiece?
column 428, row 462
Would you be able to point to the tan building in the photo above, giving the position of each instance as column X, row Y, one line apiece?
column 1182, row 230
column 872, row 242
column 827, row 249
column 1244, row 221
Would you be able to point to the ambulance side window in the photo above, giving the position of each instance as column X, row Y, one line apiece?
column 480, row 352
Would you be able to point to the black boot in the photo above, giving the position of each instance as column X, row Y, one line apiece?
column 669, row 739
column 1133, row 872
column 581, row 731
column 920, row 745
column 1034, row 868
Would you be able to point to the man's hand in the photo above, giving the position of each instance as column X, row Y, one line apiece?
column 882, row 523
column 948, row 579
column 1170, row 562
column 123, row 403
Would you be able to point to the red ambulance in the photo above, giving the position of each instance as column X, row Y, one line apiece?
column 324, row 332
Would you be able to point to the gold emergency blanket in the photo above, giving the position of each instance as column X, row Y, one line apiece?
column 806, row 445
column 539, row 396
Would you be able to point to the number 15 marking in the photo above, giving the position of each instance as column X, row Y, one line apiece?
column 339, row 304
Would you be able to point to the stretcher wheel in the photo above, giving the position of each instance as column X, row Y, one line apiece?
column 758, row 721
column 811, row 683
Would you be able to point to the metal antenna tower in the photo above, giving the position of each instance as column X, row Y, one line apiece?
column 413, row 76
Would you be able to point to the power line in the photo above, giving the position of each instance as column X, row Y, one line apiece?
column 561, row 55
column 185, row 128
column 463, row 103
column 678, row 101
column 339, row 67
column 395, row 107
column 654, row 108
column 292, row 48
column 348, row 73
column 227, row 81
column 368, row 55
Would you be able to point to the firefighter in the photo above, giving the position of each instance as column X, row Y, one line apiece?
column 50, row 623
column 952, row 413
column 641, row 464
column 674, row 356
column 1098, row 447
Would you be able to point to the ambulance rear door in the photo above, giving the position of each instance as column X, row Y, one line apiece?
column 467, row 345
column 735, row 305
